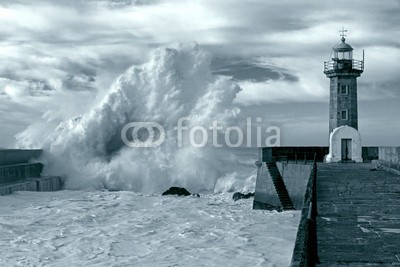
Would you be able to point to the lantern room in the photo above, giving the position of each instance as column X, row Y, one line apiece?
column 342, row 51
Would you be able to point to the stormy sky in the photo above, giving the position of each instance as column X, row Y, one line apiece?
column 62, row 56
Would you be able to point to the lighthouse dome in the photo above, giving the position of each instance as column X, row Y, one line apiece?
column 343, row 50
column 342, row 47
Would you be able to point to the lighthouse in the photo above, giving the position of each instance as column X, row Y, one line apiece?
column 343, row 71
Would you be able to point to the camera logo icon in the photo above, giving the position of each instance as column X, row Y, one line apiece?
column 155, row 134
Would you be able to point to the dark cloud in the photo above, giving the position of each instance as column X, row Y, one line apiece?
column 245, row 70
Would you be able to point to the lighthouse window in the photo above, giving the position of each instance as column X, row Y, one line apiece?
column 344, row 115
column 348, row 55
column 345, row 90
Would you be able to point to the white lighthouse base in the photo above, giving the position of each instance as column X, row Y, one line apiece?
column 345, row 145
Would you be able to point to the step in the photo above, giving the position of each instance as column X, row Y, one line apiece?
column 276, row 176
column 280, row 187
column 284, row 195
column 275, row 172
column 291, row 208
column 287, row 205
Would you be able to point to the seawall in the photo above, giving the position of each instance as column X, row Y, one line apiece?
column 389, row 154
column 295, row 172
column 14, row 156
column 20, row 170
column 295, row 176
column 389, row 159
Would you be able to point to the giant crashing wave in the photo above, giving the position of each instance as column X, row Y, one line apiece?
column 88, row 152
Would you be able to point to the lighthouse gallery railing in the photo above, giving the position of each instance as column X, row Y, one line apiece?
column 335, row 65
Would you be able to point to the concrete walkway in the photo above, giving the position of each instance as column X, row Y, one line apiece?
column 359, row 216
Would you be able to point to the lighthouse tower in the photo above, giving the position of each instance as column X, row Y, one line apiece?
column 343, row 71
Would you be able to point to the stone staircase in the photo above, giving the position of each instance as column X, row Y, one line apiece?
column 280, row 187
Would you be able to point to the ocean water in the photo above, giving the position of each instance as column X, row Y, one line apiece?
column 102, row 228
column 112, row 212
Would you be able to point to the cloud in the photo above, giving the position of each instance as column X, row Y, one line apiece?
column 275, row 50
column 250, row 70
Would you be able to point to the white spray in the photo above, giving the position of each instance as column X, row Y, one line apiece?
column 87, row 150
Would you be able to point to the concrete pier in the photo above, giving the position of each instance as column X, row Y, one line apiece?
column 358, row 215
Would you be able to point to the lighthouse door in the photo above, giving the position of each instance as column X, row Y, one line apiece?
column 346, row 149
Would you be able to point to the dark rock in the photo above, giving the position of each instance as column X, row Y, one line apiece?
column 196, row 195
column 373, row 169
column 265, row 206
column 236, row 196
column 180, row 191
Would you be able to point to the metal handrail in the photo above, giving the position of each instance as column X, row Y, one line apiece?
column 301, row 158
column 358, row 64
column 333, row 65
column 311, row 247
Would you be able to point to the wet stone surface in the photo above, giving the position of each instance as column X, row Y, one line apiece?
column 358, row 216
